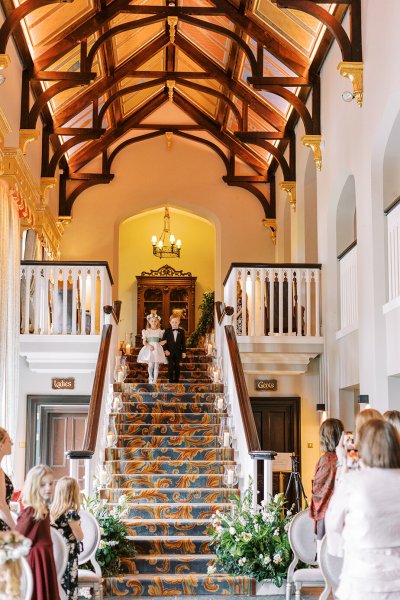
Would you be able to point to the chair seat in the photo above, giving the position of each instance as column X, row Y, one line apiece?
column 86, row 576
column 308, row 576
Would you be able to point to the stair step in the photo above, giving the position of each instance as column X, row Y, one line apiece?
column 167, row 441
column 170, row 417
column 167, row 454
column 168, row 527
column 173, row 510
column 181, row 429
column 164, row 380
column 164, row 481
column 187, row 366
column 191, row 544
column 157, row 407
column 168, row 495
column 182, row 387
column 167, row 563
column 174, row 467
column 179, row 585
column 174, row 396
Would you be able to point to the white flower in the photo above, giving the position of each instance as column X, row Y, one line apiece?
column 242, row 561
column 211, row 569
column 101, row 531
column 122, row 500
column 286, row 526
column 232, row 530
column 277, row 558
column 289, row 513
column 246, row 537
column 276, row 497
column 102, row 545
column 266, row 560
column 276, row 532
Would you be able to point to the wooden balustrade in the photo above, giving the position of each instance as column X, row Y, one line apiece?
column 64, row 297
column 348, row 288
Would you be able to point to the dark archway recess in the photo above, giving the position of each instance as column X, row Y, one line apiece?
column 234, row 71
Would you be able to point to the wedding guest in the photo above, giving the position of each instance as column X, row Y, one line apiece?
column 34, row 523
column 347, row 455
column 6, row 486
column 175, row 348
column 363, row 518
column 393, row 416
column 64, row 516
column 325, row 473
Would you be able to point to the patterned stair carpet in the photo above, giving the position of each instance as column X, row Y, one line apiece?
column 170, row 465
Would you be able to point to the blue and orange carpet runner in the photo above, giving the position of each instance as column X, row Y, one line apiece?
column 169, row 463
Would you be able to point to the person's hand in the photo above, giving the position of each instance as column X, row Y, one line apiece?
column 151, row 346
column 183, row 355
column 341, row 450
column 167, row 353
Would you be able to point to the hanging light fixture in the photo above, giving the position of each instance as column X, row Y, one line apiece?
column 166, row 246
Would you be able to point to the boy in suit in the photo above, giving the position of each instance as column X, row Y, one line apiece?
column 175, row 348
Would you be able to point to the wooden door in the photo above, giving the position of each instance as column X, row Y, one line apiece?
column 65, row 431
column 278, row 427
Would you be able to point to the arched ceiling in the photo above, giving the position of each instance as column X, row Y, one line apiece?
column 240, row 70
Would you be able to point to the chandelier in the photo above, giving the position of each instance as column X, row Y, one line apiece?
column 166, row 246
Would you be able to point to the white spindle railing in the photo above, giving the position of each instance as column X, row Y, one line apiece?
column 393, row 250
column 61, row 298
column 274, row 300
column 348, row 289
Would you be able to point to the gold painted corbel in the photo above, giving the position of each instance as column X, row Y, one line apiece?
column 4, row 61
column 26, row 136
column 355, row 72
column 172, row 22
column 171, row 86
column 168, row 136
column 271, row 223
column 290, row 188
column 314, row 142
column 46, row 183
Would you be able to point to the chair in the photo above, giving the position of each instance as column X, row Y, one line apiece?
column 26, row 581
column 60, row 550
column 331, row 567
column 91, row 542
column 303, row 543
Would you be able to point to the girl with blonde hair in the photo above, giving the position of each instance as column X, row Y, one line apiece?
column 34, row 523
column 393, row 416
column 65, row 517
column 152, row 352
column 6, row 486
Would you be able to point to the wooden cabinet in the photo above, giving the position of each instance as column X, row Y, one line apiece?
column 166, row 291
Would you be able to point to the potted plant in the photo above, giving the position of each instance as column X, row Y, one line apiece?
column 206, row 320
column 253, row 542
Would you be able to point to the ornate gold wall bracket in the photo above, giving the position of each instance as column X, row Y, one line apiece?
column 26, row 136
column 171, row 87
column 4, row 61
column 290, row 188
column 46, row 183
column 172, row 22
column 169, row 136
column 314, row 142
column 271, row 223
column 355, row 72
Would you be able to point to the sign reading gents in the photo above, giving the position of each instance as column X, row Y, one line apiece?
column 270, row 385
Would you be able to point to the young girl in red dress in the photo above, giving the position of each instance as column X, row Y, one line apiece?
column 34, row 523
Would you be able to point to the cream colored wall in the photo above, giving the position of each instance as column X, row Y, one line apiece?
column 187, row 176
column 135, row 255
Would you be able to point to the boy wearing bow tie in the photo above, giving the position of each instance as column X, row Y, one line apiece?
column 175, row 348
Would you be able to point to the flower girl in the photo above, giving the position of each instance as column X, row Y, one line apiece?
column 65, row 517
column 152, row 352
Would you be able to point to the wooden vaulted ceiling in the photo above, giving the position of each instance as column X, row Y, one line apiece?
column 240, row 70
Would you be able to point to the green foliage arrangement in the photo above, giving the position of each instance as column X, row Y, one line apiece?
column 206, row 321
column 114, row 542
column 253, row 542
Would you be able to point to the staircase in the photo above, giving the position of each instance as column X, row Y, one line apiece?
column 170, row 465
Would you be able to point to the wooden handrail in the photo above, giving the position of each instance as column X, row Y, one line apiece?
column 250, row 430
column 114, row 310
column 223, row 310
column 70, row 263
column 271, row 266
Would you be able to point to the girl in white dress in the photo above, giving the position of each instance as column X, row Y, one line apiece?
column 152, row 352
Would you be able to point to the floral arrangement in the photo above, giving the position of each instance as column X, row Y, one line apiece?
column 206, row 320
column 253, row 542
column 114, row 542
column 13, row 546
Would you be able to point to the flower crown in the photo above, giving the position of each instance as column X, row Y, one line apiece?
column 153, row 316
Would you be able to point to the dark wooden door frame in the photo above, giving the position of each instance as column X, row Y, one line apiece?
column 38, row 406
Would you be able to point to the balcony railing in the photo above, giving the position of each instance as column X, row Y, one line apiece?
column 274, row 299
column 348, row 289
column 64, row 298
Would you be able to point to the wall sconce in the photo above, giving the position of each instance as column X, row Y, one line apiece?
column 321, row 407
column 363, row 399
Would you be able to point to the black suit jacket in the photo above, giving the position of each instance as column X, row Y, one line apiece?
column 175, row 348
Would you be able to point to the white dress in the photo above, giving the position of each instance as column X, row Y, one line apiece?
column 363, row 526
column 146, row 355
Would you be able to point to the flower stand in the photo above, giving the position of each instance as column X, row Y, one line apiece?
column 268, row 588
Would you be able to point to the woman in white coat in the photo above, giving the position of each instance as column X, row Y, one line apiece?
column 363, row 518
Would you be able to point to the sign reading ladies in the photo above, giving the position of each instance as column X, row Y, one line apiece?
column 266, row 385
